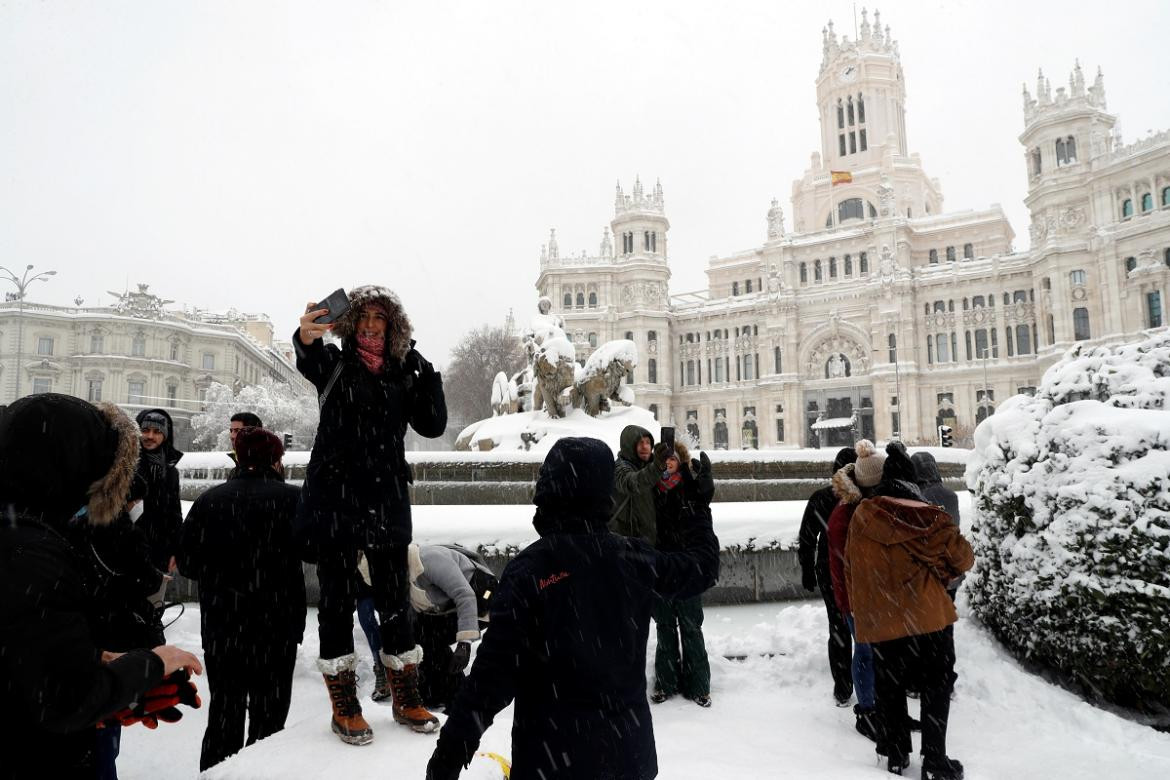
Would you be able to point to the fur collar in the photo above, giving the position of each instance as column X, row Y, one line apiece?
column 398, row 328
column 844, row 488
column 107, row 496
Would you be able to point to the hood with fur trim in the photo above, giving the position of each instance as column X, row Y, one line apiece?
column 844, row 488
column 60, row 454
column 398, row 327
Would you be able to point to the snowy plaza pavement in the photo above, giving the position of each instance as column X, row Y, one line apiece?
column 773, row 716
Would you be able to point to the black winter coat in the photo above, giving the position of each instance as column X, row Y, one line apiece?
column 675, row 510
column 123, row 581
column 356, row 485
column 927, row 475
column 237, row 542
column 567, row 641
column 53, row 685
column 813, row 546
column 162, row 512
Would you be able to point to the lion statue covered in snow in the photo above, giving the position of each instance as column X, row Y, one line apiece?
column 603, row 378
column 555, row 371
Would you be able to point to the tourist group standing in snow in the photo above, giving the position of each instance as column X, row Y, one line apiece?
column 882, row 544
column 93, row 532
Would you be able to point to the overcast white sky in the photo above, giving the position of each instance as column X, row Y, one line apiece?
column 257, row 155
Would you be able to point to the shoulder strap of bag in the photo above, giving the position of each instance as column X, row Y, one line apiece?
column 329, row 385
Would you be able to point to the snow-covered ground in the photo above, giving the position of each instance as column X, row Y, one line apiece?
column 773, row 716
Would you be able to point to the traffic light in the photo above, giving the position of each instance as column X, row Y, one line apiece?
column 287, row 440
column 944, row 436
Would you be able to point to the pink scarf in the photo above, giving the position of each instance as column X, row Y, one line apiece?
column 371, row 350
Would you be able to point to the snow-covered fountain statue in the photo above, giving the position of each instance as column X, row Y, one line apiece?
column 555, row 394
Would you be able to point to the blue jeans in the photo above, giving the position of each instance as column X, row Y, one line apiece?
column 368, row 618
column 863, row 684
column 109, row 744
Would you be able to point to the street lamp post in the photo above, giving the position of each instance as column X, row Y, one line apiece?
column 22, row 282
column 986, row 396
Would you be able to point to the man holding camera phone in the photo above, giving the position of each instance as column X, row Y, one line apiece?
column 356, row 490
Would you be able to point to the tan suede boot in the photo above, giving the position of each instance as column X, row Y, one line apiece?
column 408, row 706
column 341, row 680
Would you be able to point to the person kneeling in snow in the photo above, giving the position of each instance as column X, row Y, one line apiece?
column 449, row 590
column 568, row 632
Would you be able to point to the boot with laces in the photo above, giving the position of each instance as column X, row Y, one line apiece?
column 408, row 706
column 341, row 680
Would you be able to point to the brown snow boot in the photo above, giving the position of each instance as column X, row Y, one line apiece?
column 408, row 706
column 341, row 680
column 382, row 690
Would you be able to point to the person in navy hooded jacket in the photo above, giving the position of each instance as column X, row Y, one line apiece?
column 568, row 632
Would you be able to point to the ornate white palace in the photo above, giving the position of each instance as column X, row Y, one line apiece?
column 881, row 313
column 138, row 354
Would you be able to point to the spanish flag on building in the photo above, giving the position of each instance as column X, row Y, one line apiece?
column 841, row 177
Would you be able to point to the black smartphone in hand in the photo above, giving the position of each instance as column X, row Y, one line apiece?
column 668, row 436
column 337, row 303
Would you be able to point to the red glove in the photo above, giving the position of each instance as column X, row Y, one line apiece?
column 161, row 702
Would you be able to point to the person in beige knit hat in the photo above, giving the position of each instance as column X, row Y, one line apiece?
column 867, row 471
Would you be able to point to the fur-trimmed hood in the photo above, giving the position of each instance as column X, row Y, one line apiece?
column 60, row 455
column 844, row 488
column 398, row 328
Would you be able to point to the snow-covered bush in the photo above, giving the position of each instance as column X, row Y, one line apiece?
column 1072, row 497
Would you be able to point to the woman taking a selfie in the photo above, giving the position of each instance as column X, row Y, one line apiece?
column 356, row 491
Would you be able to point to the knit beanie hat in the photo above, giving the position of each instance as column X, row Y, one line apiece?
column 257, row 448
column 867, row 470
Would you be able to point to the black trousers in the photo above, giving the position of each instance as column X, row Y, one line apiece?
column 390, row 582
column 255, row 680
column 926, row 663
column 436, row 634
column 840, row 642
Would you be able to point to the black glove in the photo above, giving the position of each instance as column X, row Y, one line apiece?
column 417, row 364
column 460, row 658
column 703, row 486
column 809, row 580
column 449, row 759
column 438, row 770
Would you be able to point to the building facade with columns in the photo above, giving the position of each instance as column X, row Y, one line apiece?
column 882, row 314
column 137, row 354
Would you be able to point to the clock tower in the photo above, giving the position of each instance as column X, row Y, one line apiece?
column 861, row 99
column 861, row 96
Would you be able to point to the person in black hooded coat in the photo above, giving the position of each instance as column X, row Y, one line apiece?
column 64, row 463
column 568, row 632
column 813, row 553
column 356, row 491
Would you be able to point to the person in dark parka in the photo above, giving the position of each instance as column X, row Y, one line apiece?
column 63, row 462
column 637, row 468
column 568, row 633
column 237, row 542
column 162, row 512
column 680, row 659
column 813, row 553
column 356, row 492
column 929, row 480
